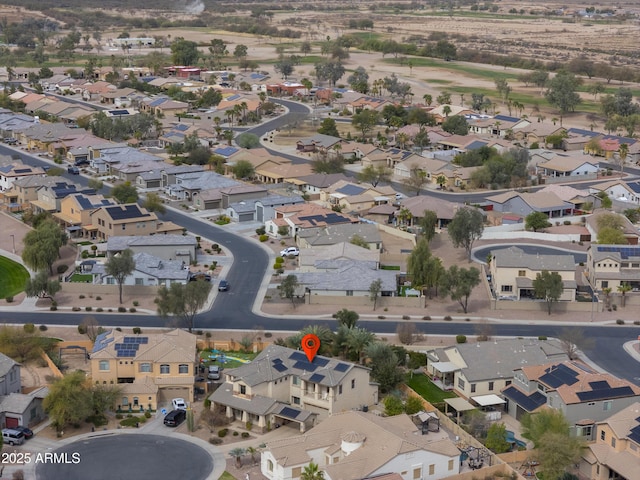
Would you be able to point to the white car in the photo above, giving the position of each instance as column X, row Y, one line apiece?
column 179, row 404
column 290, row 251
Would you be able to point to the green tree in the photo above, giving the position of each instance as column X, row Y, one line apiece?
column 69, row 400
column 496, row 440
column 243, row 169
column 561, row 92
column 417, row 179
column 536, row 221
column 365, row 121
column 384, row 364
column 125, row 193
column 120, row 266
column 153, row 203
column 465, row 228
column 623, row 289
column 183, row 301
column 374, row 175
column 392, row 405
column 237, row 454
column 348, row 318
column 428, row 224
column 418, row 263
column 41, row 286
column 359, row 80
column 357, row 341
column 413, row 405
column 458, row 283
column 374, row 291
column 240, row 51
column 329, row 127
column 548, row 286
column 94, row 183
column 605, row 201
column 611, row 236
column 456, row 125
column 42, row 245
column 184, row 52
column 288, row 288
column 312, row 472
column 21, row 345
column 359, row 241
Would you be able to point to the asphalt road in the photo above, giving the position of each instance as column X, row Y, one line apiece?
column 233, row 309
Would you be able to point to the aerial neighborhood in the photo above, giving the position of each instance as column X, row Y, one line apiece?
column 302, row 244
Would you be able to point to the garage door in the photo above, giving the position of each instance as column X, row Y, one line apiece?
column 12, row 422
column 165, row 395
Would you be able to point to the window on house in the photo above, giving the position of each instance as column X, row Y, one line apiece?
column 125, row 401
column 135, row 402
column 507, row 383
column 353, row 383
column 295, row 400
column 461, row 383
column 613, row 442
column 165, row 368
column 606, row 406
column 349, row 293
column 432, row 469
column 603, row 436
column 296, row 380
column 243, row 389
column 490, row 386
column 269, row 466
column 417, row 473
column 339, row 389
column 145, row 368
column 183, row 368
column 450, row 466
column 296, row 472
column 139, row 281
column 104, row 365
column 522, row 273
column 124, row 226
column 473, row 388
column 506, row 288
column 605, row 284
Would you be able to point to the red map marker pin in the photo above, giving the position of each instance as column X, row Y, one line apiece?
column 310, row 345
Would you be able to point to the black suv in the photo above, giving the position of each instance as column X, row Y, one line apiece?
column 175, row 418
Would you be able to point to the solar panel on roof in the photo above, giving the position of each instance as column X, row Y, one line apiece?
column 280, row 367
column 309, row 367
column 599, row 385
column 321, row 362
column 605, row 394
column 341, row 367
column 276, row 360
column 289, row 412
column 634, row 434
column 298, row 356
column 528, row 402
column 559, row 375
column 316, row 378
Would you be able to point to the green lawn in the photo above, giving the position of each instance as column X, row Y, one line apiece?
column 13, row 277
column 81, row 278
column 426, row 389
column 227, row 476
column 230, row 358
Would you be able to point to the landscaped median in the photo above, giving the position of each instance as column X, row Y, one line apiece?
column 13, row 278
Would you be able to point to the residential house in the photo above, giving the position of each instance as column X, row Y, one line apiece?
column 25, row 189
column 282, row 173
column 300, row 216
column 412, row 210
column 313, row 184
column 121, row 97
column 334, row 233
column 235, row 198
column 75, row 212
column 352, row 197
column 93, row 91
column 23, row 408
column 169, row 173
column 266, row 206
column 150, row 270
column 115, row 220
column 9, row 375
column 110, row 158
column 577, row 138
column 281, row 386
column 346, row 278
column 583, row 395
column 619, row 190
column 190, row 185
column 150, row 369
column 616, row 451
column 568, row 167
column 165, row 247
column 484, row 368
column 320, row 259
column 537, row 133
column 611, row 266
column 579, row 198
column 352, row 151
column 525, row 203
column 318, row 143
column 12, row 172
column 14, row 122
column 163, row 106
column 358, row 445
column 442, row 112
column 431, row 167
column 367, row 103
column 50, row 196
column 513, row 272
column 38, row 136
column 628, row 229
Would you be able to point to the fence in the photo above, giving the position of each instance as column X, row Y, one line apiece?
column 364, row 301
column 52, row 366
column 91, row 289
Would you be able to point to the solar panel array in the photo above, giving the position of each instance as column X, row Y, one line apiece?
column 102, row 341
column 599, row 385
column 280, row 367
column 130, row 346
column 289, row 412
column 124, row 212
column 634, row 434
column 305, row 365
column 316, row 378
column 528, row 402
column 341, row 367
column 605, row 394
column 625, row 252
column 559, row 375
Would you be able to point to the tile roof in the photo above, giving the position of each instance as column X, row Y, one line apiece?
column 175, row 346
column 6, row 364
column 514, row 257
column 351, row 275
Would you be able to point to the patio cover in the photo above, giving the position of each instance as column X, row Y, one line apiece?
column 459, row 404
column 445, row 367
column 487, row 400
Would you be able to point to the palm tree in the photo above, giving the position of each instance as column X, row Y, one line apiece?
column 252, row 451
column 404, row 215
column 446, row 110
column 623, row 151
column 402, row 139
column 312, row 472
column 228, row 136
column 623, row 288
column 441, row 180
column 237, row 453
column 607, row 292
column 358, row 340
column 428, row 99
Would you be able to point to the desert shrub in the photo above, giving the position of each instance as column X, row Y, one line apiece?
column 461, row 339
column 268, row 335
column 136, row 303
column 426, row 317
column 9, row 299
column 147, row 414
column 99, row 309
column 215, row 441
column 98, row 297
column 263, row 238
column 235, row 434
column 81, row 297
column 62, row 268
column 137, row 330
column 381, row 317
column 29, row 328
column 244, row 434
column 542, row 337
column 619, row 322
column 448, row 318
column 88, row 309
column 43, row 328
column 53, row 308
column 406, row 317
column 122, row 309
column 132, row 310
column 261, row 230
column 82, row 330
column 223, row 432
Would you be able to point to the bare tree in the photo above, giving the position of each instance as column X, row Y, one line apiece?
column 573, row 340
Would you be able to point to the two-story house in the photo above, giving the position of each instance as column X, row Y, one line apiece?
column 10, row 173
column 484, row 368
column 75, row 213
column 582, row 395
column 616, row 451
column 513, row 272
column 151, row 369
column 282, row 386
column 9, row 375
column 610, row 266
column 117, row 220
column 357, row 445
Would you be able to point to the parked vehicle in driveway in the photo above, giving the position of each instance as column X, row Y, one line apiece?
column 214, row 372
column 290, row 251
column 27, row 432
column 12, row 437
column 175, row 418
column 179, row 404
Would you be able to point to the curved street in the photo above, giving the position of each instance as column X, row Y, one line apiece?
column 235, row 310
